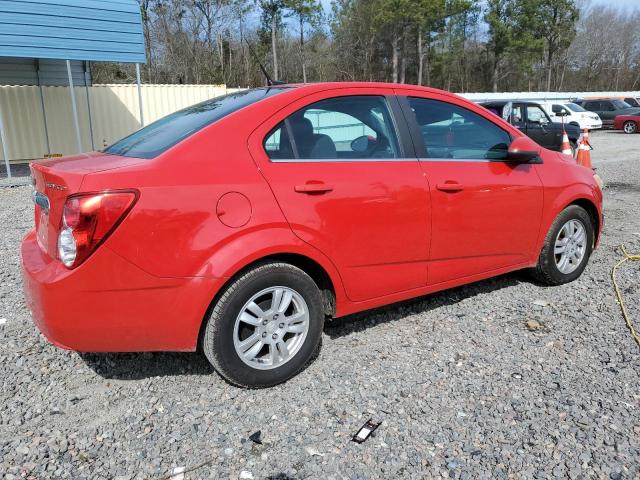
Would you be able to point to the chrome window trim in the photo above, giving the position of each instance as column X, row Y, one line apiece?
column 341, row 160
column 360, row 160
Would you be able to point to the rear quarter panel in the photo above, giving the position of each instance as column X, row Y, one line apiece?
column 174, row 229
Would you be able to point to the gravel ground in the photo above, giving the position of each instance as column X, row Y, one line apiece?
column 464, row 389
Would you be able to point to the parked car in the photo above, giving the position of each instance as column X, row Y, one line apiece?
column 572, row 114
column 531, row 119
column 607, row 109
column 627, row 123
column 632, row 101
column 236, row 226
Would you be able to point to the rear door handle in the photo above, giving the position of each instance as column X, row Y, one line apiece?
column 313, row 188
column 450, row 187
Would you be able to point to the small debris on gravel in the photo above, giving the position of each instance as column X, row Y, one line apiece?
column 256, row 437
column 533, row 325
column 465, row 389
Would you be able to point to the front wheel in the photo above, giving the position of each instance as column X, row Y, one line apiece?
column 567, row 247
column 630, row 127
column 265, row 327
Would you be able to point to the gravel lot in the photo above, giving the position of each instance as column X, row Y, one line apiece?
column 464, row 389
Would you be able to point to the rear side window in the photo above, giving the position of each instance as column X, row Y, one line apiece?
column 159, row 136
column 593, row 106
column 450, row 131
column 342, row 128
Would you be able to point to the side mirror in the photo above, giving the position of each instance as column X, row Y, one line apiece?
column 562, row 113
column 524, row 150
column 361, row 144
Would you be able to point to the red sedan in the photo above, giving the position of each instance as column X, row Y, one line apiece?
column 627, row 123
column 239, row 224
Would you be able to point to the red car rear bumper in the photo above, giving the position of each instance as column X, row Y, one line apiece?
column 108, row 304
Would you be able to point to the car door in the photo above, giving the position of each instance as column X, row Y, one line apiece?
column 539, row 127
column 594, row 106
column 608, row 111
column 486, row 211
column 351, row 187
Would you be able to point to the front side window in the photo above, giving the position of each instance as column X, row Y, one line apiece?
column 575, row 107
column 535, row 114
column 618, row 105
column 159, row 136
column 357, row 127
column 450, row 131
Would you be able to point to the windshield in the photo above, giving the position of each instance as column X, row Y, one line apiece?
column 154, row 139
column 574, row 107
column 619, row 104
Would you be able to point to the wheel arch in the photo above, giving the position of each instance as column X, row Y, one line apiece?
column 310, row 266
column 592, row 210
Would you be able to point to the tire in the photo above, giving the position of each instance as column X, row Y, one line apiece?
column 630, row 127
column 226, row 334
column 550, row 270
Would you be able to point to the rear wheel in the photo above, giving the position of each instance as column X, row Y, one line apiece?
column 265, row 327
column 567, row 247
column 630, row 127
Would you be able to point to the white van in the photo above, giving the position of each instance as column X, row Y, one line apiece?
column 572, row 114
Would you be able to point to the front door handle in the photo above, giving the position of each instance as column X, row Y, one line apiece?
column 313, row 188
column 450, row 187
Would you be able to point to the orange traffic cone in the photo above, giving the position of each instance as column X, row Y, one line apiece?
column 566, row 146
column 584, row 150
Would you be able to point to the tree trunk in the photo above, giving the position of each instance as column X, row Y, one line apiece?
column 274, row 25
column 420, row 56
column 302, row 58
column 549, row 63
column 395, row 59
column 496, row 72
column 403, row 61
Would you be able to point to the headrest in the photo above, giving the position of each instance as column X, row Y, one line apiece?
column 301, row 126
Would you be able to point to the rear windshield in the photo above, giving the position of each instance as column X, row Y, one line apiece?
column 159, row 136
column 574, row 107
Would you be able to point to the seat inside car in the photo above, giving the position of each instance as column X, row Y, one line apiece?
column 310, row 144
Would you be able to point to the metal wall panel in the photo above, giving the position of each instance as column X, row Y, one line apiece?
column 23, row 71
column 98, row 30
column 114, row 114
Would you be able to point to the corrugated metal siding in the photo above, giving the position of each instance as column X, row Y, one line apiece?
column 23, row 71
column 98, row 30
column 114, row 114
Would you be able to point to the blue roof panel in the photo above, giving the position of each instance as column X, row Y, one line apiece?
column 95, row 30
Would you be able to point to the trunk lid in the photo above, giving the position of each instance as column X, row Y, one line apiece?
column 55, row 180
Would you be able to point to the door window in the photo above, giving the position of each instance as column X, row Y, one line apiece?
column 450, row 131
column 517, row 115
column 593, row 106
column 356, row 127
column 536, row 115
column 607, row 107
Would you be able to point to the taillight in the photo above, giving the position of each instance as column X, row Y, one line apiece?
column 87, row 220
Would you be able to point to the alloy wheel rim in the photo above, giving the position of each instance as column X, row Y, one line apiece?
column 570, row 246
column 271, row 328
column 630, row 127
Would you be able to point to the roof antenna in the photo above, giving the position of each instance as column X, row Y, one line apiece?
column 270, row 81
